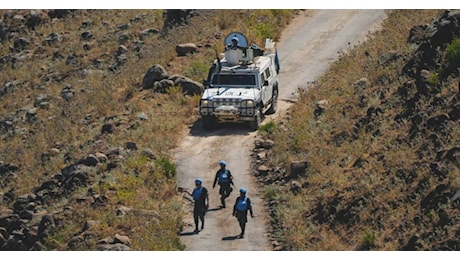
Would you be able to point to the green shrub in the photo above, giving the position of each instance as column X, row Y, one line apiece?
column 197, row 71
column 368, row 240
column 434, row 79
column 268, row 128
column 271, row 192
column 169, row 169
column 128, row 187
column 265, row 30
column 453, row 53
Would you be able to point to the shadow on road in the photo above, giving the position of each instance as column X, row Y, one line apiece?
column 231, row 238
column 214, row 209
column 188, row 233
column 222, row 129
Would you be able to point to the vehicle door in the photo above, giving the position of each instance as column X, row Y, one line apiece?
column 267, row 84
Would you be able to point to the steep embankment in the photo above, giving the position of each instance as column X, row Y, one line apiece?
column 368, row 158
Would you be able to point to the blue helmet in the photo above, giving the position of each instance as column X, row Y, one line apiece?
column 223, row 163
column 198, row 181
column 235, row 39
column 243, row 190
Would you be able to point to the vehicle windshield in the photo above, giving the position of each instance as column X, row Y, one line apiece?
column 234, row 79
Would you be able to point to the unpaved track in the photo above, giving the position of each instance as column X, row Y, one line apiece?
column 306, row 48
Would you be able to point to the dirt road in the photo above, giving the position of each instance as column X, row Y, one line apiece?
column 306, row 48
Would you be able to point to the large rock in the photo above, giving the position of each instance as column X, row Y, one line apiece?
column 177, row 17
column 186, row 48
column 155, row 73
column 298, row 168
column 189, row 86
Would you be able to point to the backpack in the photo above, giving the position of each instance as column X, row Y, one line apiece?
column 242, row 205
column 224, row 177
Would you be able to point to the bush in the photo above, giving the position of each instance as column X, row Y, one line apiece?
column 169, row 168
column 268, row 128
column 453, row 53
column 271, row 192
column 197, row 71
column 368, row 240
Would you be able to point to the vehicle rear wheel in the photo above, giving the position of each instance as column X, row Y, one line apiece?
column 274, row 104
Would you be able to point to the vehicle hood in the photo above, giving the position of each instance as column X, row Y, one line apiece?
column 233, row 93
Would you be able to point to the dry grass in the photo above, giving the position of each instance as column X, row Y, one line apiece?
column 103, row 96
column 366, row 183
column 148, row 186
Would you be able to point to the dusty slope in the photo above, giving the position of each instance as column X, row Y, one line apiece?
column 306, row 48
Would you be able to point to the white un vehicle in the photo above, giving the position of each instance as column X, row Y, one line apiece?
column 242, row 86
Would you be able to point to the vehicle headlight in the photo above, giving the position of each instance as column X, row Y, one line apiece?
column 204, row 102
column 247, row 107
column 250, row 103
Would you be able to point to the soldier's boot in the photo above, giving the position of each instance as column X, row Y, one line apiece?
column 222, row 200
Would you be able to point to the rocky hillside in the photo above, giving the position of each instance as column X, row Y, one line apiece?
column 369, row 157
column 92, row 102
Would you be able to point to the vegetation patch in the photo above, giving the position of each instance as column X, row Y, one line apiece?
column 376, row 177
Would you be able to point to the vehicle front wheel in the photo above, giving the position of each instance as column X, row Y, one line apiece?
column 274, row 104
column 254, row 125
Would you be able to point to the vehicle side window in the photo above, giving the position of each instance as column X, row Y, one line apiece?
column 267, row 72
column 262, row 77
